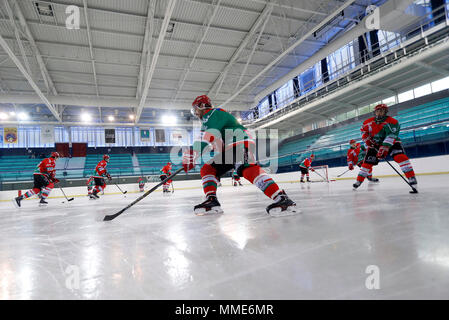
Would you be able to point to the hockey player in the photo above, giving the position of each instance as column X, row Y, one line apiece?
column 236, row 178
column 44, row 180
column 355, row 156
column 141, row 182
column 90, row 184
column 99, row 175
column 305, row 166
column 165, row 172
column 234, row 149
column 380, row 134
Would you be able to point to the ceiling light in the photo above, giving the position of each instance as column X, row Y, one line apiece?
column 169, row 120
column 131, row 116
column 111, row 118
column 22, row 116
column 86, row 117
column 3, row 116
column 12, row 113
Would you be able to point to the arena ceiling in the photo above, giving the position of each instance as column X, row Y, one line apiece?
column 142, row 55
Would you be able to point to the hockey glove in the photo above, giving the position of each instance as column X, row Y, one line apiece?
column 108, row 176
column 351, row 166
column 383, row 152
column 188, row 160
column 311, row 169
column 55, row 180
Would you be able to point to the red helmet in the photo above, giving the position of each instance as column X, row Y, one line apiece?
column 200, row 100
column 106, row 157
column 381, row 106
column 312, row 156
column 169, row 163
column 352, row 141
column 55, row 155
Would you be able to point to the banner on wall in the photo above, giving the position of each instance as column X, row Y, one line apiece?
column 144, row 135
column 160, row 135
column 177, row 136
column 47, row 134
column 10, row 135
column 109, row 135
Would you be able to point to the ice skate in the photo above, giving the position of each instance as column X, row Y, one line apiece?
column 17, row 200
column 210, row 206
column 373, row 179
column 356, row 185
column 284, row 206
column 94, row 195
column 43, row 202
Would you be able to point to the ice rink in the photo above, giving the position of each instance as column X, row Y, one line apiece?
column 159, row 249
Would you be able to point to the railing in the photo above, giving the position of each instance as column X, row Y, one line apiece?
column 390, row 52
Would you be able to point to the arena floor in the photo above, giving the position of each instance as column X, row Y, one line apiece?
column 159, row 249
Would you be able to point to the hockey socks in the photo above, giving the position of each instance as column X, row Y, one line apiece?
column 260, row 179
column 405, row 165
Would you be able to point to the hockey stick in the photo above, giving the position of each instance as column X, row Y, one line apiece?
column 172, row 188
column 413, row 188
column 113, row 216
column 320, row 176
column 342, row 173
column 65, row 195
column 121, row 189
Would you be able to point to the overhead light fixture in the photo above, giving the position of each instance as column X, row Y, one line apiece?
column 169, row 120
column 12, row 113
column 22, row 116
column 3, row 116
column 111, row 118
column 131, row 116
column 86, row 117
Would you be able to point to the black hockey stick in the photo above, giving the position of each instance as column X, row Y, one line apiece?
column 113, row 216
column 65, row 195
column 121, row 189
column 413, row 188
column 342, row 173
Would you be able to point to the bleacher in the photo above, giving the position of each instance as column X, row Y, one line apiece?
column 118, row 165
column 17, row 167
column 428, row 120
column 152, row 163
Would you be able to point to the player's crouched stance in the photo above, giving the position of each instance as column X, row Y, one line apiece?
column 44, row 181
column 236, row 151
column 380, row 134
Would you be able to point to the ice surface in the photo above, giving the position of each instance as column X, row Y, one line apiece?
column 159, row 249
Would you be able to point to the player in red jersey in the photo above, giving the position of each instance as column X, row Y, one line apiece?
column 165, row 172
column 304, row 166
column 141, row 182
column 355, row 156
column 99, row 175
column 44, row 180
column 381, row 135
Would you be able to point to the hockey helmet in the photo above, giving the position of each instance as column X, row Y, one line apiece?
column 106, row 157
column 381, row 106
column 312, row 156
column 200, row 103
column 55, row 155
column 352, row 141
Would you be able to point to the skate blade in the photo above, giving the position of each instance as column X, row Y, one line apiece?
column 290, row 211
column 213, row 210
column 15, row 203
column 43, row 204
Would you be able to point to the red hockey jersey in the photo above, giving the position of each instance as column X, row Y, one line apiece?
column 46, row 167
column 166, row 170
column 356, row 155
column 100, row 169
column 384, row 133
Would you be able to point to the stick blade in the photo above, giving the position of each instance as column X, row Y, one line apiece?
column 125, row 191
column 71, row 199
column 414, row 191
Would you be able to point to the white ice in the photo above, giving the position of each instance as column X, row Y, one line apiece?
column 159, row 249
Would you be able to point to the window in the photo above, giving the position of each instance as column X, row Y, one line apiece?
column 341, row 61
column 441, row 84
column 284, row 94
column 264, row 107
column 307, row 80
column 423, row 90
column 389, row 101
column 408, row 95
column 388, row 40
